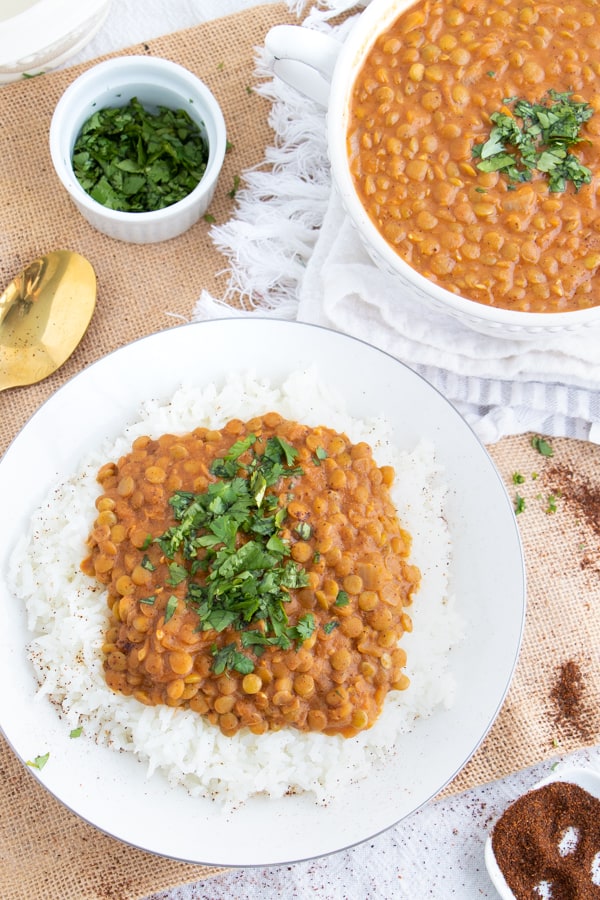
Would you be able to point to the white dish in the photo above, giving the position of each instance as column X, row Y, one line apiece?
column 588, row 779
column 326, row 69
column 43, row 34
column 154, row 82
column 487, row 576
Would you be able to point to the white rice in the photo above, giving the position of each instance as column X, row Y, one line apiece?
column 67, row 612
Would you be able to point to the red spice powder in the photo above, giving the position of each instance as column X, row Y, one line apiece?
column 527, row 836
column 568, row 695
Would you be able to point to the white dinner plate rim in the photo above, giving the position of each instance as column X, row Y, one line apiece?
column 301, row 332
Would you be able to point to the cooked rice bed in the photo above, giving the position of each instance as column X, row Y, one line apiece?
column 342, row 529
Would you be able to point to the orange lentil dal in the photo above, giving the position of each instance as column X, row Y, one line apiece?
column 334, row 682
column 422, row 101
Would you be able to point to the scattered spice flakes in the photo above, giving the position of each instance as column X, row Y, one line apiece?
column 579, row 492
column 572, row 714
column 582, row 496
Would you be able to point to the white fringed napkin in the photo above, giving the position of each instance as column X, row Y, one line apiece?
column 294, row 254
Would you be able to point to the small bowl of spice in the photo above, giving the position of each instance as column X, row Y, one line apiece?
column 547, row 843
column 139, row 142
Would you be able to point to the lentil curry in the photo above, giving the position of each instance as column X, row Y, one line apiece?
column 257, row 575
column 424, row 105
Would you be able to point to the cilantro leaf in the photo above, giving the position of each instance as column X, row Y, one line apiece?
column 229, row 657
column 342, row 599
column 176, row 575
column 170, row 607
column 540, row 142
column 542, row 446
column 39, row 762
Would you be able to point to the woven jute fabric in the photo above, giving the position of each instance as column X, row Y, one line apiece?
column 45, row 850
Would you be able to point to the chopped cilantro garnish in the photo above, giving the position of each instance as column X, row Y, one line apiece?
column 319, row 455
column 133, row 160
column 303, row 530
column 235, row 188
column 537, row 137
column 232, row 535
column 39, row 762
column 76, row 732
column 519, row 504
column 517, row 478
column 328, row 627
column 170, row 607
column 176, row 575
column 342, row 599
column 146, row 563
column 229, row 657
column 542, row 446
column 304, row 628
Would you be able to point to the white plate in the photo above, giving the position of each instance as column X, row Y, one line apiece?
column 103, row 787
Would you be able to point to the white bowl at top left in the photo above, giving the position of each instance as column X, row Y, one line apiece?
column 37, row 35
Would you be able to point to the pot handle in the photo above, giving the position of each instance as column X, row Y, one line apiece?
column 303, row 58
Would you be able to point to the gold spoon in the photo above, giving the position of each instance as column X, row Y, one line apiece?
column 44, row 313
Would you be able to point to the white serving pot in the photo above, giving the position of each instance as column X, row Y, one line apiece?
column 324, row 69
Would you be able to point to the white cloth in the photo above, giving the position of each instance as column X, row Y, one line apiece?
column 501, row 386
column 438, row 852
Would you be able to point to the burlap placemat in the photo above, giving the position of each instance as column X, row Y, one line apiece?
column 552, row 706
column 140, row 287
column 46, row 851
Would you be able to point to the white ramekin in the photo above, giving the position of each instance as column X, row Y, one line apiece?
column 325, row 69
column 155, row 82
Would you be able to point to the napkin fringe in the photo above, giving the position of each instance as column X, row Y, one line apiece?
column 281, row 207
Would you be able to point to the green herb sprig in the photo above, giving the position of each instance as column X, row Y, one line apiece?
column 133, row 160
column 39, row 761
column 542, row 446
column 232, row 537
column 541, row 141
